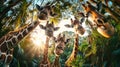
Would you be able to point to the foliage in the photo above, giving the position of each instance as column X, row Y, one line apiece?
column 99, row 52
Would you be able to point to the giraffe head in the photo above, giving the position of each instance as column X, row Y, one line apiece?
column 49, row 29
column 76, row 24
column 99, row 21
column 60, row 44
column 46, row 11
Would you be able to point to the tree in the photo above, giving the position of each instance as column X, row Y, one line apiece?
column 94, row 49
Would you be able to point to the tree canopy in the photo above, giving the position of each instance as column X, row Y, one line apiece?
column 94, row 48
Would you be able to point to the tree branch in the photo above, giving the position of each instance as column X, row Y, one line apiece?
column 113, row 14
column 7, row 9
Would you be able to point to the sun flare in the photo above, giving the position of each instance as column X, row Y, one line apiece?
column 37, row 37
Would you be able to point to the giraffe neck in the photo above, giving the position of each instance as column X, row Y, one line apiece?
column 74, row 52
column 46, row 49
column 75, row 48
column 56, row 62
column 45, row 61
column 11, row 39
column 56, row 58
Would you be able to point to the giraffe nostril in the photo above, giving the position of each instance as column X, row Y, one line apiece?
column 59, row 47
column 100, row 21
column 50, row 31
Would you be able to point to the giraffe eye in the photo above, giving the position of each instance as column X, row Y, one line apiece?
column 99, row 21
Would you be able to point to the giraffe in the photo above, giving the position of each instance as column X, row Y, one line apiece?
column 49, row 32
column 46, row 11
column 103, row 26
column 74, row 52
column 76, row 25
column 11, row 39
column 59, row 49
column 79, row 30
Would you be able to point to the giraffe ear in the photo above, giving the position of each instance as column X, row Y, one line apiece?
column 68, row 26
column 58, row 36
column 39, row 7
column 42, row 27
column 56, row 28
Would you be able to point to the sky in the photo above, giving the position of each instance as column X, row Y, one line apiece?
column 38, row 37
